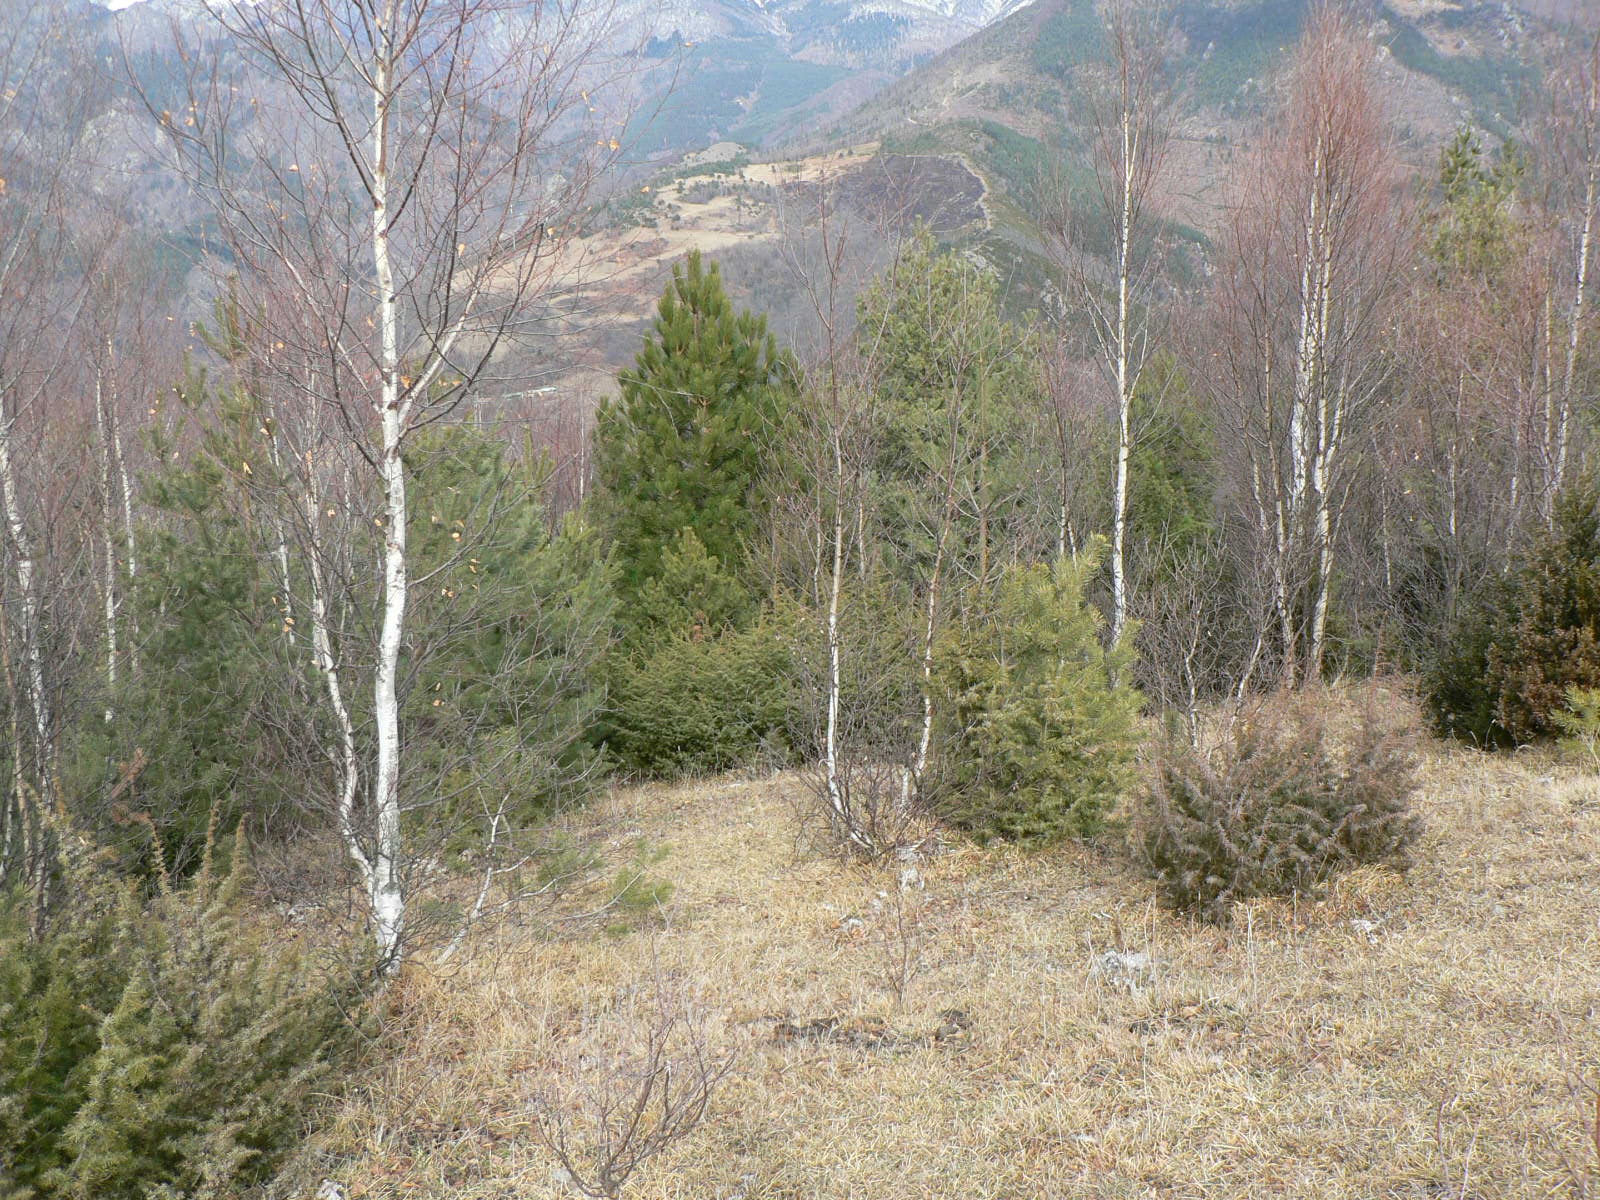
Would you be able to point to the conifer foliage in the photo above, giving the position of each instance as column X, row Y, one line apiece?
column 161, row 1047
column 686, row 444
column 685, row 456
column 1279, row 805
column 1040, row 725
column 1510, row 661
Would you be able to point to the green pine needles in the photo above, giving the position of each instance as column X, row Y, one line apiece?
column 689, row 442
column 686, row 457
column 1506, row 669
column 1283, row 802
column 163, row 1047
column 1039, row 725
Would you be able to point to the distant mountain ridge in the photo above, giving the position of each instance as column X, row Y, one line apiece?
column 741, row 69
column 783, row 91
column 756, row 70
column 1003, row 98
column 809, row 23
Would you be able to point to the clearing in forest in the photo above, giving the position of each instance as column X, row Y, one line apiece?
column 1059, row 1035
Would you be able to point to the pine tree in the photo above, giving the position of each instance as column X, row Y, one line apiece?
column 952, row 377
column 1039, row 727
column 515, row 619
column 1474, row 230
column 208, row 715
column 687, row 443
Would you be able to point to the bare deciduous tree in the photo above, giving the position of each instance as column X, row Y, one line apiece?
column 834, row 449
column 1573, row 150
column 1314, row 254
column 401, row 183
column 640, row 1086
column 1133, row 106
column 41, row 296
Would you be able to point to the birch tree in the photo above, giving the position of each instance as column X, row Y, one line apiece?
column 1132, row 107
column 40, row 298
column 950, row 376
column 402, row 178
column 1314, row 253
column 829, row 496
column 1574, row 167
column 123, row 356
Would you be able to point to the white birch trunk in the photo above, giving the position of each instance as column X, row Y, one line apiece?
column 1124, row 351
column 1544, row 376
column 20, row 820
column 28, row 596
column 108, row 542
column 1279, row 508
column 346, row 761
column 384, row 888
column 843, row 819
column 919, row 762
column 280, row 531
column 114, row 431
column 1575, row 333
column 1308, row 414
column 912, row 781
column 1322, row 531
column 1329, row 427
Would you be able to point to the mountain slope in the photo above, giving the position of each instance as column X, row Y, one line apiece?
column 1005, row 95
column 1000, row 109
column 749, row 70
column 714, row 69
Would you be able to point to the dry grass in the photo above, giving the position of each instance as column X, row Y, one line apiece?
column 1412, row 1036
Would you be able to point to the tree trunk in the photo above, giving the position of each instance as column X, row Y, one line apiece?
column 108, row 542
column 1125, row 380
column 843, row 819
column 912, row 782
column 384, row 891
column 28, row 596
column 1575, row 333
column 346, row 761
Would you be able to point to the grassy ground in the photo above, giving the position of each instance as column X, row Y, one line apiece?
column 1430, row 1035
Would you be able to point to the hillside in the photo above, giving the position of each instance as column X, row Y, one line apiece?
column 1415, row 1036
column 754, row 219
column 1004, row 96
column 930, row 763
column 905, row 114
column 999, row 106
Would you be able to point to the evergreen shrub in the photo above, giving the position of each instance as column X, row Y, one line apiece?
column 1278, row 806
column 54, row 991
column 704, row 701
column 1038, row 726
column 160, row 1048
column 1512, row 659
column 1580, row 722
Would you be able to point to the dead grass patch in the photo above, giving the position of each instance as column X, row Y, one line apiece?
column 1401, row 1036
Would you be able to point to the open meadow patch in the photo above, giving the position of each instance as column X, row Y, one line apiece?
column 993, row 1023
